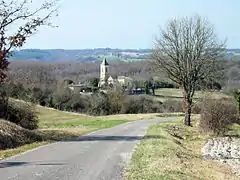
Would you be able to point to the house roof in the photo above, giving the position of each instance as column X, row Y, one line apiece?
column 104, row 62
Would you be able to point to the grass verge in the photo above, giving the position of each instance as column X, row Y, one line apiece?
column 93, row 124
column 172, row 151
column 11, row 152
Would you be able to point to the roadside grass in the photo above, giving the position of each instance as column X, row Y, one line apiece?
column 21, row 149
column 172, row 151
column 234, row 131
column 94, row 124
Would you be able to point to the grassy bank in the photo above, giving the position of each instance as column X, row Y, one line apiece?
column 172, row 151
column 55, row 125
column 56, row 132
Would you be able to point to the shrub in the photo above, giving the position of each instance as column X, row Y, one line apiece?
column 140, row 104
column 217, row 115
column 115, row 100
column 78, row 103
column 61, row 97
column 172, row 106
column 98, row 104
column 16, row 90
column 236, row 95
column 22, row 114
column 130, row 106
column 196, row 108
column 12, row 136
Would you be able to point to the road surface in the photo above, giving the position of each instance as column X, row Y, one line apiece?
column 102, row 155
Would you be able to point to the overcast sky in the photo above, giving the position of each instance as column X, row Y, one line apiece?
column 131, row 23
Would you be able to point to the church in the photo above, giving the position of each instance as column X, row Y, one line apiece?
column 107, row 80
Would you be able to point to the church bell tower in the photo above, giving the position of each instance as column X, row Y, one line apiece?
column 104, row 73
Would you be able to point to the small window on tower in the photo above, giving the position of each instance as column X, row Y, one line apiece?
column 106, row 70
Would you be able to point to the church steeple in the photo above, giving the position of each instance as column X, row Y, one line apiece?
column 104, row 62
column 104, row 72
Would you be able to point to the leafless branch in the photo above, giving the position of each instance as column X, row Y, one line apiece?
column 188, row 51
column 21, row 16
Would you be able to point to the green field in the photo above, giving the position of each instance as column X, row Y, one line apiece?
column 164, row 94
column 51, row 117
column 114, row 58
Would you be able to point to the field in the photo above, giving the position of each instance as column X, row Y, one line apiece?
column 164, row 94
column 114, row 58
column 49, row 117
column 173, row 151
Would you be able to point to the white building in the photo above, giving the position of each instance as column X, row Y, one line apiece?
column 107, row 80
column 104, row 73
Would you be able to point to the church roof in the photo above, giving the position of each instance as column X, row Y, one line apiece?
column 104, row 62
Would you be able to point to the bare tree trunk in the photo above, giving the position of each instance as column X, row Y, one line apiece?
column 184, row 97
column 184, row 104
column 188, row 112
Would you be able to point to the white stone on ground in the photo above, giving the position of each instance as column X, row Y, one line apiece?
column 225, row 150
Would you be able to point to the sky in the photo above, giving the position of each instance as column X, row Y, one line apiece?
column 131, row 23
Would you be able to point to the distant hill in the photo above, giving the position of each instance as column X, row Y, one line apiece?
column 90, row 54
column 80, row 55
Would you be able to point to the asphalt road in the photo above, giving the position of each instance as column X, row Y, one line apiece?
column 102, row 155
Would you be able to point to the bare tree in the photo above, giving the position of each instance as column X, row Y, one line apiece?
column 187, row 50
column 19, row 19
